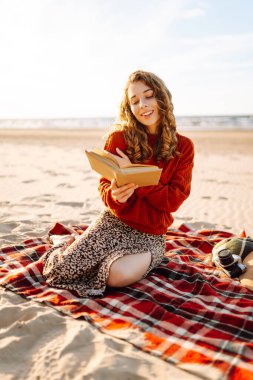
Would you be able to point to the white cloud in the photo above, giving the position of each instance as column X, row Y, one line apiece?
column 224, row 43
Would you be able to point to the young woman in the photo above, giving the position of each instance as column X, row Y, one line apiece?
column 128, row 239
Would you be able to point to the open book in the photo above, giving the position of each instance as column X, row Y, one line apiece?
column 106, row 164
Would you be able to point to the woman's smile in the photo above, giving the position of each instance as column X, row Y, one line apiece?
column 147, row 114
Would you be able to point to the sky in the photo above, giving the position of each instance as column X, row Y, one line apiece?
column 72, row 58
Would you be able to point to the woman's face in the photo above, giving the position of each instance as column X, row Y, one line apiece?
column 144, row 105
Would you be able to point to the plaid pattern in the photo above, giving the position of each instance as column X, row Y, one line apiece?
column 186, row 311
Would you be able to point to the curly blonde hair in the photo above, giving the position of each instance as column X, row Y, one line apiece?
column 136, row 134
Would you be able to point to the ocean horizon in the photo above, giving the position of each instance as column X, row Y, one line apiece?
column 198, row 123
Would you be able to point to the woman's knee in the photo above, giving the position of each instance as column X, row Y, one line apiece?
column 118, row 276
column 118, row 279
column 246, row 278
column 128, row 269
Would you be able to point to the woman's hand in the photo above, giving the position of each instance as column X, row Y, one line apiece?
column 123, row 160
column 121, row 194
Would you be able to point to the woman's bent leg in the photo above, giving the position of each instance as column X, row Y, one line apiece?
column 93, row 260
column 128, row 269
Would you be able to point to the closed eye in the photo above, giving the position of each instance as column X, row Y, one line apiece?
column 137, row 101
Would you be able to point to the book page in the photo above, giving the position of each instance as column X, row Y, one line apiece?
column 113, row 157
column 106, row 154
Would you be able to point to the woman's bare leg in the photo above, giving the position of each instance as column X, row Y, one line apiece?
column 246, row 278
column 128, row 269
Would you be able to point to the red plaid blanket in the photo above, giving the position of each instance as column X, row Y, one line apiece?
column 186, row 311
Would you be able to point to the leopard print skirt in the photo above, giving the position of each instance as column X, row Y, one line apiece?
column 84, row 265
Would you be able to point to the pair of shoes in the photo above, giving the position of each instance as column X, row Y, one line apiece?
column 229, row 255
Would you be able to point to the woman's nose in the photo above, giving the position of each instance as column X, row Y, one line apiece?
column 142, row 102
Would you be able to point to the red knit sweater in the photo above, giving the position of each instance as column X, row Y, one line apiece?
column 149, row 208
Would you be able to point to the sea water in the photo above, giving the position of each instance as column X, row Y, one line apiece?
column 193, row 123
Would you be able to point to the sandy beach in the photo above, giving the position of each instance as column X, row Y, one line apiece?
column 45, row 178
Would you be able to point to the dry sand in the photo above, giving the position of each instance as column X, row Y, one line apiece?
column 45, row 178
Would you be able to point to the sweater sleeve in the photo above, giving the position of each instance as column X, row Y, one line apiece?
column 170, row 194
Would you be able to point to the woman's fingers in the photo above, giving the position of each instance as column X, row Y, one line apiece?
column 123, row 155
column 121, row 194
column 124, row 198
column 124, row 193
column 121, row 188
column 114, row 184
